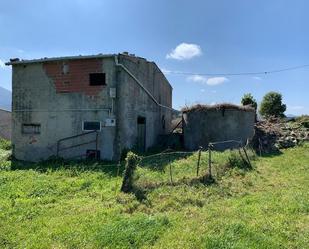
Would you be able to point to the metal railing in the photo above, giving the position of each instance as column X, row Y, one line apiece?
column 59, row 149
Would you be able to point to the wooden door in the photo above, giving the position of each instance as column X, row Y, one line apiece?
column 141, row 134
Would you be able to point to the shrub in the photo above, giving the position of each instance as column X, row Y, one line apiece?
column 131, row 163
column 5, row 144
column 235, row 160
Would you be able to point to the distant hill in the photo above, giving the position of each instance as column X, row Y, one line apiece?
column 5, row 99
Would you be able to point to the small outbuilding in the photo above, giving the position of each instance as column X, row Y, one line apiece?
column 203, row 124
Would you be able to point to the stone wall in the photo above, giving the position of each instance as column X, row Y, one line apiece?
column 212, row 125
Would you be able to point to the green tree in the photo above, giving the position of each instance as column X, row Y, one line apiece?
column 272, row 105
column 248, row 99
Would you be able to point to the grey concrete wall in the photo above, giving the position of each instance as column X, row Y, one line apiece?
column 135, row 102
column 203, row 126
column 5, row 124
column 60, row 114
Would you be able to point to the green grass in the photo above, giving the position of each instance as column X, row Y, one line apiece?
column 78, row 205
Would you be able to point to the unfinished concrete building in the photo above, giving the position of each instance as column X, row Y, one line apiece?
column 203, row 124
column 82, row 106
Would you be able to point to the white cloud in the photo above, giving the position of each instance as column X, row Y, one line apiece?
column 216, row 81
column 257, row 78
column 185, row 51
column 295, row 107
column 208, row 81
column 197, row 78
column 2, row 65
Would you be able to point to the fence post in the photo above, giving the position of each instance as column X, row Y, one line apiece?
column 118, row 170
column 260, row 147
column 247, row 157
column 171, row 176
column 209, row 159
column 198, row 161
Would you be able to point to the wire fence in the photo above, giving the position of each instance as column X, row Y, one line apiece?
column 173, row 166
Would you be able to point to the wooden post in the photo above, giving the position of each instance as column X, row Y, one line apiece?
column 198, row 161
column 247, row 157
column 118, row 170
column 209, row 159
column 171, row 176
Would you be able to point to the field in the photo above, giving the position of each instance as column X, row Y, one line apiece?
column 79, row 205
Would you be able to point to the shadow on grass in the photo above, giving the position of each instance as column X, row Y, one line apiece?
column 109, row 168
column 141, row 191
column 271, row 154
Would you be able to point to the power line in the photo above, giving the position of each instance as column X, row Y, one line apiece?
column 242, row 73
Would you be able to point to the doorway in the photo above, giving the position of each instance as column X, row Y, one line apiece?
column 141, row 134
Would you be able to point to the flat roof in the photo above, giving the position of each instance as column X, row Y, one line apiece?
column 17, row 61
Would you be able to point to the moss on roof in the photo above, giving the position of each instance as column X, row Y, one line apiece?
column 217, row 107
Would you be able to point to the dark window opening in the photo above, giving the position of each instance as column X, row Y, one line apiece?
column 141, row 120
column 91, row 126
column 31, row 129
column 97, row 79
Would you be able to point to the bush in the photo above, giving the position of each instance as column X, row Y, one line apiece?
column 5, row 144
column 131, row 163
column 235, row 160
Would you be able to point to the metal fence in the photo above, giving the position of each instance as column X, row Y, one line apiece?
column 204, row 164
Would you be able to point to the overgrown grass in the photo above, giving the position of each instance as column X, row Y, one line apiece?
column 78, row 205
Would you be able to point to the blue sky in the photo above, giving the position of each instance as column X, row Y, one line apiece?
column 192, row 36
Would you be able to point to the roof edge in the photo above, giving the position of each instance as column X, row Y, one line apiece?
column 17, row 61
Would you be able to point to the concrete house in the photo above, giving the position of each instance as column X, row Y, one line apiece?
column 82, row 106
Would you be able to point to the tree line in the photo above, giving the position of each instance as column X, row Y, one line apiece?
column 271, row 104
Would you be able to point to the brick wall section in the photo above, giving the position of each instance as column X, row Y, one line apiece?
column 77, row 79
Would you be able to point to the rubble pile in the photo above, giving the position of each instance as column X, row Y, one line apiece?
column 274, row 134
